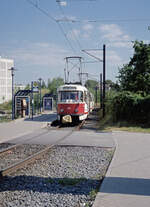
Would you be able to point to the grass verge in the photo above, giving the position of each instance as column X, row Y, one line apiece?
column 71, row 181
column 107, row 124
column 5, row 119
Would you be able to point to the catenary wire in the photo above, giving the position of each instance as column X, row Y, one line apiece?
column 69, row 25
column 102, row 20
column 54, row 20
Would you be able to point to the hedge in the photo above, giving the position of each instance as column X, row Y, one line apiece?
column 127, row 106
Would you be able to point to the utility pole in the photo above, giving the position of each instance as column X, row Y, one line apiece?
column 32, row 100
column 40, row 79
column 96, row 95
column 101, row 91
column 104, row 75
column 12, row 69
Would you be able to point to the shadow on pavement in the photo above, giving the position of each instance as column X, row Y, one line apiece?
column 123, row 185
column 43, row 118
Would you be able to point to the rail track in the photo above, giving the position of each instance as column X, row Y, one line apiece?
column 29, row 159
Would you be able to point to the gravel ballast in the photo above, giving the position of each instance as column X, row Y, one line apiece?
column 65, row 177
column 17, row 154
column 5, row 145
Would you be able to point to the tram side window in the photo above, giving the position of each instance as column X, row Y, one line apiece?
column 81, row 96
column 85, row 96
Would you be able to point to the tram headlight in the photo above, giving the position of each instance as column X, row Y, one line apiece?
column 61, row 110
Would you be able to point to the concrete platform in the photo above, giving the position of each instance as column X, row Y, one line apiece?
column 95, row 139
column 24, row 126
column 127, row 182
column 44, row 136
column 41, row 136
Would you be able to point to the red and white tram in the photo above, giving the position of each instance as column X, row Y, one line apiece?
column 75, row 102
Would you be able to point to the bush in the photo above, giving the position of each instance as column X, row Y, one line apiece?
column 127, row 106
column 6, row 106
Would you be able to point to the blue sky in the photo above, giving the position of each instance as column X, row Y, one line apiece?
column 38, row 42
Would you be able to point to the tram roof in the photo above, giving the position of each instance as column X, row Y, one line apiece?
column 72, row 87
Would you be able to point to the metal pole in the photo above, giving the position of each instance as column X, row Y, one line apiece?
column 101, row 91
column 32, row 101
column 12, row 74
column 40, row 79
column 40, row 99
column 80, row 72
column 67, row 70
column 65, row 74
column 104, row 73
column 12, row 94
column 96, row 95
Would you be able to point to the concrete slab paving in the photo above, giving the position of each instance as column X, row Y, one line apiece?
column 89, row 138
column 127, row 181
column 42, row 136
column 21, row 127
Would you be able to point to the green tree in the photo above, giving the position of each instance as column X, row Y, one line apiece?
column 135, row 76
column 112, row 85
column 28, row 86
column 43, row 85
column 91, row 84
column 54, row 84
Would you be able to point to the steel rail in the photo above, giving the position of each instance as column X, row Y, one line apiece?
column 36, row 156
column 80, row 125
column 3, row 151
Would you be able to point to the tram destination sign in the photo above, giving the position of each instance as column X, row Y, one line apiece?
column 69, row 88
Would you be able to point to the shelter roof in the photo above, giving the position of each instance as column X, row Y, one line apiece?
column 23, row 93
column 48, row 95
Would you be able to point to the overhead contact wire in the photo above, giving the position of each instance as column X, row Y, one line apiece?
column 61, row 10
column 54, row 20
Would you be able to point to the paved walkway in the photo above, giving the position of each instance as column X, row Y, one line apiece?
column 127, row 182
column 20, row 127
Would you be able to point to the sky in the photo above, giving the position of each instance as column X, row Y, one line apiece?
column 39, row 34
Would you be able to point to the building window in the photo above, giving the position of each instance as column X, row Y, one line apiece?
column 2, row 82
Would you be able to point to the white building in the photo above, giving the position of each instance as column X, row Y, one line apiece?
column 5, row 79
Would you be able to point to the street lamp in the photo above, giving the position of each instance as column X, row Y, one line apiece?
column 12, row 69
column 40, row 79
